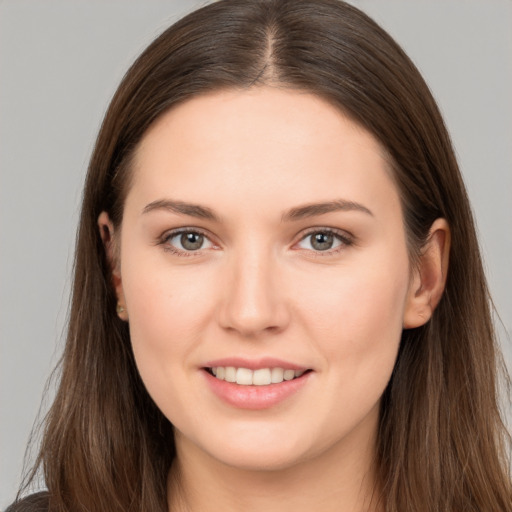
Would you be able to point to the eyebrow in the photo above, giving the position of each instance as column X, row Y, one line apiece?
column 311, row 210
column 182, row 208
column 297, row 213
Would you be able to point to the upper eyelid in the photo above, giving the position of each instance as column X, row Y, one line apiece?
column 170, row 233
column 342, row 234
column 165, row 238
column 323, row 229
column 345, row 238
column 167, row 246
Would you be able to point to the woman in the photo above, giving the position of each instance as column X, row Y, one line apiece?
column 278, row 297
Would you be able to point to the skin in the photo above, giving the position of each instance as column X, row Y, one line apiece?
column 258, row 287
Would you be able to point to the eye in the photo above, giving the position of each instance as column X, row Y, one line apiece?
column 323, row 240
column 187, row 241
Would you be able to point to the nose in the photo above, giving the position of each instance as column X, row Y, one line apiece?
column 254, row 302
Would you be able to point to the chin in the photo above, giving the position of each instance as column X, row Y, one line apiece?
column 260, row 449
column 259, row 460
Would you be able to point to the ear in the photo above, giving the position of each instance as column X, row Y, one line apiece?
column 106, row 228
column 429, row 279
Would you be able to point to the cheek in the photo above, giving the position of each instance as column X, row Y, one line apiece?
column 357, row 315
column 168, row 311
column 357, row 328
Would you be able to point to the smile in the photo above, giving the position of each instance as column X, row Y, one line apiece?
column 257, row 388
column 259, row 377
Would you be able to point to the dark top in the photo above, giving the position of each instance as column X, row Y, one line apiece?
column 34, row 503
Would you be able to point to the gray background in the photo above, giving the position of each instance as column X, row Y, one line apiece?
column 60, row 62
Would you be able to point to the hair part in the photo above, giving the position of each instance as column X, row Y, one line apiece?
column 441, row 441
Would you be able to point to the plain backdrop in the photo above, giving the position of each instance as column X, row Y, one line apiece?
column 60, row 62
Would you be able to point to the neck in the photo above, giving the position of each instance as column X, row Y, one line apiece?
column 341, row 480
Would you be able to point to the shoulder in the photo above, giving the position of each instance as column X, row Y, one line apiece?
column 34, row 503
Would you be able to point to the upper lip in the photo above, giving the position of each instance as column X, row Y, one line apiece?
column 254, row 364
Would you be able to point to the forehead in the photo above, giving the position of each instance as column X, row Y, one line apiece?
column 263, row 144
column 257, row 114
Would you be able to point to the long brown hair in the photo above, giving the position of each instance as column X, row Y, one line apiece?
column 441, row 442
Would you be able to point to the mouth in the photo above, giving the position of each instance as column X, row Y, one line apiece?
column 255, row 384
column 258, row 377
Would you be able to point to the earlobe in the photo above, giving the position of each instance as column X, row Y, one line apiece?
column 106, row 228
column 429, row 280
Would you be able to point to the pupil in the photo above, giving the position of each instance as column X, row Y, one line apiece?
column 322, row 241
column 192, row 241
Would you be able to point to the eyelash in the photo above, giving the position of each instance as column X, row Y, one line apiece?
column 169, row 235
column 345, row 239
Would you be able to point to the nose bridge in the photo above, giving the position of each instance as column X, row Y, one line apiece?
column 253, row 300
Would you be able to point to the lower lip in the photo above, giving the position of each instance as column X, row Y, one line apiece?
column 255, row 397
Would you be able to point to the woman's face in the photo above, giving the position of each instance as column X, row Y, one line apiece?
column 262, row 239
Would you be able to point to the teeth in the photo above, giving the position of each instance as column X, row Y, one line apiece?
column 261, row 377
column 230, row 374
column 244, row 376
column 289, row 374
column 277, row 375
